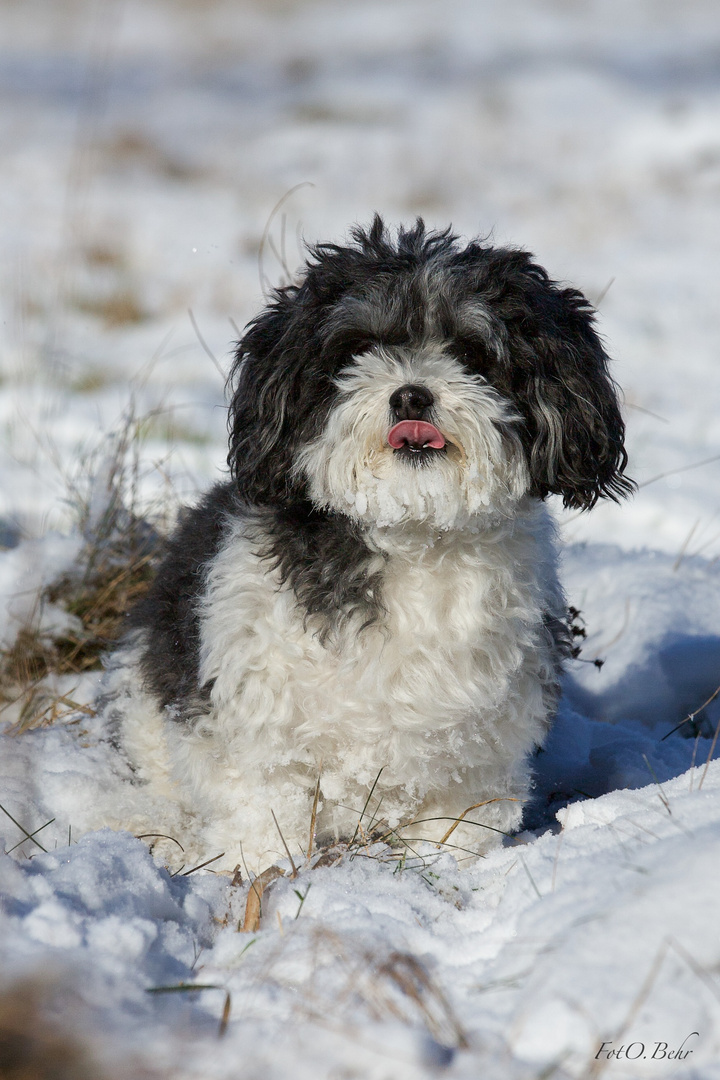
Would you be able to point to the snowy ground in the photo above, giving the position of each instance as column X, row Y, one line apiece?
column 144, row 145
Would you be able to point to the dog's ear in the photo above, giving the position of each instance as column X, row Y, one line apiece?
column 282, row 379
column 271, row 406
column 573, row 431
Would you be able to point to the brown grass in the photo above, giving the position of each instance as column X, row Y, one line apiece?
column 99, row 594
column 100, row 600
column 118, row 309
column 114, row 570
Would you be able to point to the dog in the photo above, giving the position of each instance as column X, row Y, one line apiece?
column 370, row 603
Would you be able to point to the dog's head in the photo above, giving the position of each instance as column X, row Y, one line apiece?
column 410, row 378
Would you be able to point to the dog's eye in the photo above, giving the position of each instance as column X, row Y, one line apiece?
column 362, row 345
column 474, row 354
column 339, row 351
column 352, row 345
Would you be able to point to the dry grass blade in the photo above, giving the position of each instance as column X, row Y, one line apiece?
column 532, row 879
column 159, row 836
column 598, row 1066
column 697, row 969
column 710, row 754
column 421, row 860
column 691, row 770
column 411, row 978
column 683, row 468
column 691, row 716
column 475, row 806
column 202, row 864
column 663, row 797
column 187, row 988
column 225, row 1018
column 287, row 849
column 648, row 412
column 444, row 843
column 603, row 292
column 28, row 836
column 367, row 803
column 313, row 819
column 561, row 837
column 616, row 637
column 205, row 345
column 253, row 906
column 75, row 706
column 40, row 707
column 686, row 542
column 265, row 283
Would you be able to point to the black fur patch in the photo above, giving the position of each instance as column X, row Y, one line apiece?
column 169, row 613
column 322, row 557
column 326, row 562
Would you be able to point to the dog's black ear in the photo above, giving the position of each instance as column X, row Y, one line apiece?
column 282, row 379
column 574, row 432
column 271, row 406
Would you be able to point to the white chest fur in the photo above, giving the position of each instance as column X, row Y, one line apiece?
column 444, row 697
column 455, row 672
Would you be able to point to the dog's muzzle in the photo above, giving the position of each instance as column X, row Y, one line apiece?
column 413, row 432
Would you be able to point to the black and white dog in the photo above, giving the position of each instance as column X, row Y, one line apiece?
column 373, row 592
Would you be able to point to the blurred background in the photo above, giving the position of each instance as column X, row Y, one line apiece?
column 146, row 143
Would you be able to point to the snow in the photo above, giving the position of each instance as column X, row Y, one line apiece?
column 537, row 954
column 24, row 571
column 144, row 146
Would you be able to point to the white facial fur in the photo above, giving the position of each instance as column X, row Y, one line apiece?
column 351, row 468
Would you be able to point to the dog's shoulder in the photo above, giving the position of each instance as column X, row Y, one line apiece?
column 193, row 544
column 167, row 619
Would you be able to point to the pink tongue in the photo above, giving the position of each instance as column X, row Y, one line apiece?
column 416, row 433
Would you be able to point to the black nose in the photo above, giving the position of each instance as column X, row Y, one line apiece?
column 411, row 402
